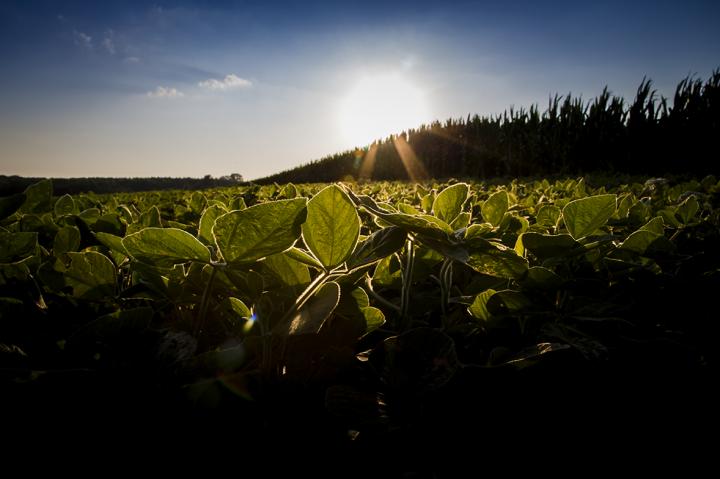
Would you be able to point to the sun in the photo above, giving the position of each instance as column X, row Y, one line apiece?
column 381, row 105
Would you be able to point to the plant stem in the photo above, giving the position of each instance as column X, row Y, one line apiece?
column 377, row 297
column 407, row 282
column 204, row 302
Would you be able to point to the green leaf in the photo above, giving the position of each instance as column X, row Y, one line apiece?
column 649, row 236
column 584, row 216
column 461, row 221
column 38, row 197
column 197, row 202
column 17, row 246
column 238, row 203
column 495, row 207
column 478, row 309
column 332, row 227
column 300, row 255
column 540, row 278
column 313, row 314
column 67, row 239
column 655, row 225
column 377, row 246
column 688, row 209
column 91, row 275
column 10, row 204
column 112, row 242
column 508, row 301
column 449, row 202
column 151, row 218
column 388, row 272
column 499, row 261
column 237, row 307
column 549, row 246
column 65, row 205
column 422, row 224
column 288, row 270
column 245, row 236
column 374, row 318
column 207, row 221
column 165, row 247
column 548, row 215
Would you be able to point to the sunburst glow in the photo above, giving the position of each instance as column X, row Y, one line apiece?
column 380, row 105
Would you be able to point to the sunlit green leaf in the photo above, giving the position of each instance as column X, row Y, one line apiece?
column 165, row 247
column 332, row 227
column 91, row 275
column 478, row 309
column 207, row 221
column 449, row 202
column 495, row 207
column 245, row 236
column 584, row 216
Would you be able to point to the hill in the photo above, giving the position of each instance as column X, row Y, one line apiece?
column 649, row 136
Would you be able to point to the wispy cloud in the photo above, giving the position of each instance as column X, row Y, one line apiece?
column 82, row 40
column 131, row 60
column 230, row 81
column 108, row 43
column 165, row 92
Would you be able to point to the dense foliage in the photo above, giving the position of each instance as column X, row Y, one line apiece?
column 378, row 310
column 650, row 136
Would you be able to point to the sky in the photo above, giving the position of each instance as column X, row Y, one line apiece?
column 190, row 88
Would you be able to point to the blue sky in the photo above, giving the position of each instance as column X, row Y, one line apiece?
column 130, row 88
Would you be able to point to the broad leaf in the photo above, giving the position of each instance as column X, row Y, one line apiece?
column 549, row 246
column 499, row 261
column 165, row 247
column 38, row 197
column 112, row 242
column 91, row 275
column 495, row 208
column 332, row 227
column 313, row 314
column 478, row 309
column 377, row 246
column 584, row 216
column 300, row 255
column 17, row 246
column 650, row 236
column 245, row 236
column 687, row 210
column 449, row 202
column 207, row 221
column 289, row 271
column 548, row 215
column 541, row 278
column 67, row 239
column 65, row 205
column 374, row 318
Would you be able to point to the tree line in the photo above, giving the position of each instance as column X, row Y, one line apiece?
column 10, row 185
column 652, row 135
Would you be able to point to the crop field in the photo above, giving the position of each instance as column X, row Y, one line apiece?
column 369, row 310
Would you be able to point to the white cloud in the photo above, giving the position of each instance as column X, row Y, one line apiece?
column 165, row 92
column 108, row 42
column 230, row 81
column 131, row 60
column 82, row 40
